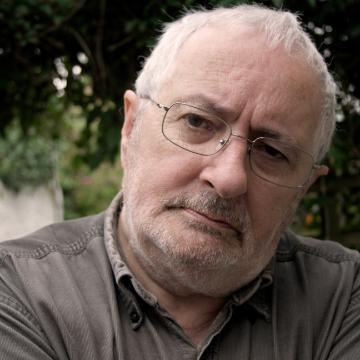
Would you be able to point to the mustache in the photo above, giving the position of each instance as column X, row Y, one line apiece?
column 231, row 211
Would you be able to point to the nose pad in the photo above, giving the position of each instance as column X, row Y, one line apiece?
column 221, row 144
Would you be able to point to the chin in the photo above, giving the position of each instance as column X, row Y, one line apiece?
column 190, row 270
column 217, row 284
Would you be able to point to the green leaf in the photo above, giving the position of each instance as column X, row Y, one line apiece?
column 312, row 3
column 278, row 3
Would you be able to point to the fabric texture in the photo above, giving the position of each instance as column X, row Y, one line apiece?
column 66, row 294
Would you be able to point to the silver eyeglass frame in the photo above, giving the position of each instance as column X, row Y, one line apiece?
column 225, row 142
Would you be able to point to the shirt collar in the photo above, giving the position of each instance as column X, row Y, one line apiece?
column 256, row 294
column 110, row 237
column 122, row 273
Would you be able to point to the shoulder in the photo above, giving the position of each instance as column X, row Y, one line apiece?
column 317, row 270
column 57, row 284
column 317, row 292
column 49, row 260
column 67, row 237
column 61, row 261
column 293, row 246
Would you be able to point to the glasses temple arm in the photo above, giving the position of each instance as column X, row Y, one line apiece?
column 160, row 106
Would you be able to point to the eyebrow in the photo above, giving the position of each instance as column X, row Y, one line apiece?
column 264, row 131
column 230, row 115
column 206, row 103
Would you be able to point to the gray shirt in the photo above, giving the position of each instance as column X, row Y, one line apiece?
column 65, row 293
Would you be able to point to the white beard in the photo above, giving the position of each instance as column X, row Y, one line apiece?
column 199, row 259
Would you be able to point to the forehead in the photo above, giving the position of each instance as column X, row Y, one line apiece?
column 258, row 85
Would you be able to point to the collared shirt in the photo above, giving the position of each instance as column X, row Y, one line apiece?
column 65, row 293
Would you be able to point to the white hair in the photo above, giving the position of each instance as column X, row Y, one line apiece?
column 279, row 27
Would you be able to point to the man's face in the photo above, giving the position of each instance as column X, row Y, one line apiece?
column 207, row 224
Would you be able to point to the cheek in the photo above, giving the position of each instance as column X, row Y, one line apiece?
column 159, row 167
column 173, row 172
column 269, row 208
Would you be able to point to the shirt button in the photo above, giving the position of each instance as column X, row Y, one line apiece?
column 134, row 316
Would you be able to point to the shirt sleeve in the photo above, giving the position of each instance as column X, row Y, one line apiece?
column 347, row 341
column 20, row 336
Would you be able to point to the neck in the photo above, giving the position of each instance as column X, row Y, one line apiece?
column 193, row 312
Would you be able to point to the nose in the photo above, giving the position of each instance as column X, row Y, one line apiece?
column 227, row 171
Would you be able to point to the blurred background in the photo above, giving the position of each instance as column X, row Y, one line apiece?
column 64, row 65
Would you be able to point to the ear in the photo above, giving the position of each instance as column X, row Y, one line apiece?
column 320, row 170
column 130, row 109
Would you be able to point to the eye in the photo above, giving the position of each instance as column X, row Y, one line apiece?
column 270, row 151
column 197, row 122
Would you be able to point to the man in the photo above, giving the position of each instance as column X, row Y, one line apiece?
column 232, row 113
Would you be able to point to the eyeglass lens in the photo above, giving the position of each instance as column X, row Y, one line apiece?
column 204, row 133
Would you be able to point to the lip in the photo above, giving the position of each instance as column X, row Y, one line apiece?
column 209, row 220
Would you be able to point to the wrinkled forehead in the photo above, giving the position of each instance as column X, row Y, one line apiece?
column 239, row 70
column 228, row 39
column 210, row 44
column 221, row 57
column 222, row 50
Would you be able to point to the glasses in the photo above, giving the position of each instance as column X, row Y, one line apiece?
column 204, row 133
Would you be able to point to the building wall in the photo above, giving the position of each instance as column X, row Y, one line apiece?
column 24, row 212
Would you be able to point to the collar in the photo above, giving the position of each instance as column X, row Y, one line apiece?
column 124, row 279
column 257, row 294
column 110, row 237
column 122, row 273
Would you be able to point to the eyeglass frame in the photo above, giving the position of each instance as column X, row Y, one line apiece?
column 250, row 143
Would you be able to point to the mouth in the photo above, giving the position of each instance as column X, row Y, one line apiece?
column 210, row 214
column 209, row 220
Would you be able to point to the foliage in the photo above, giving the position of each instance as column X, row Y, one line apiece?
column 26, row 162
column 86, row 191
column 57, row 54
column 89, row 191
column 90, row 51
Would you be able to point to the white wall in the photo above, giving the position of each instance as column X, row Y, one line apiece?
column 29, row 209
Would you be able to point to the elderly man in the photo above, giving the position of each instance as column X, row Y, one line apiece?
column 232, row 114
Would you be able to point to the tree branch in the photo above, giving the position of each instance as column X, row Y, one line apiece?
column 84, row 46
column 99, row 45
column 76, row 8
